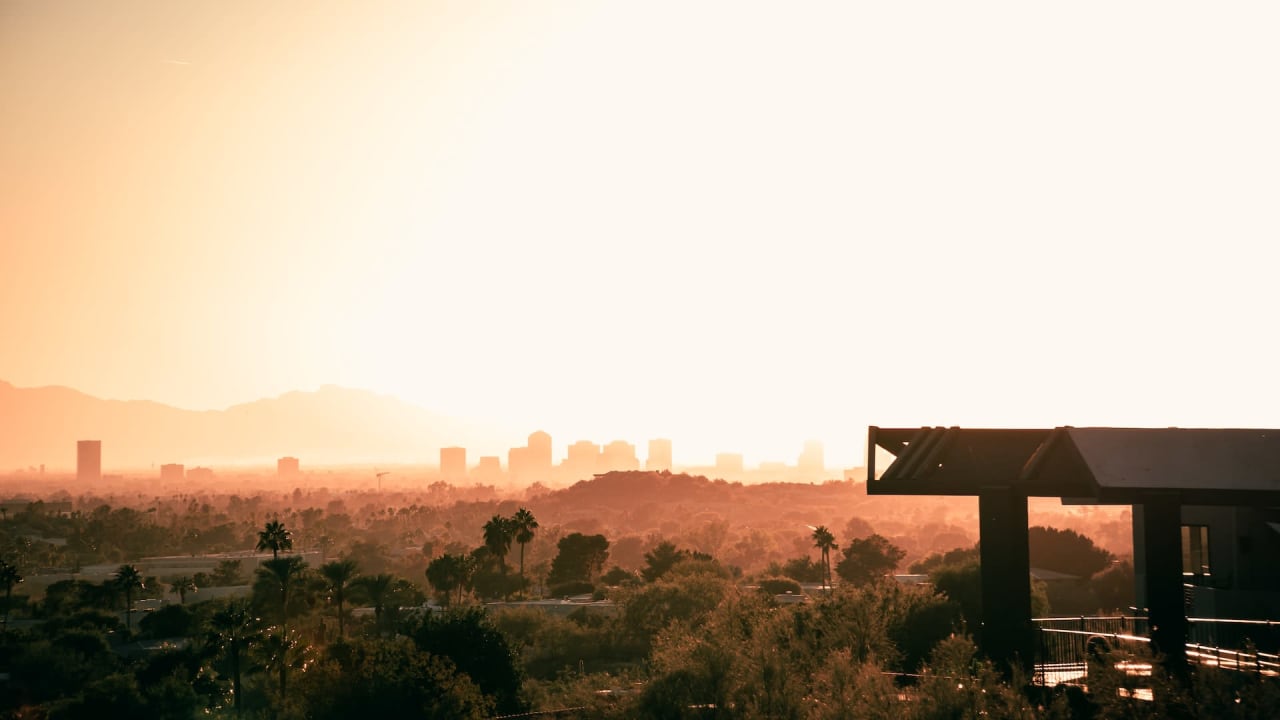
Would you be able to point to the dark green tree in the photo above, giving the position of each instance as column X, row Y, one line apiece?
column 498, row 534
column 824, row 541
column 579, row 558
column 9, row 576
column 866, row 559
column 129, row 580
column 448, row 573
column 233, row 630
column 525, row 524
column 338, row 576
column 477, row 648
column 275, row 537
column 182, row 586
column 1066, row 551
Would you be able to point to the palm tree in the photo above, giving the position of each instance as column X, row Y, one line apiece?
column 524, row 523
column 338, row 576
column 378, row 589
column 275, row 537
column 128, row 579
column 497, row 537
column 233, row 630
column 10, row 577
column 283, row 573
column 182, row 586
column 824, row 541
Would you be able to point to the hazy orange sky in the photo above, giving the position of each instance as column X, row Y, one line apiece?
column 737, row 225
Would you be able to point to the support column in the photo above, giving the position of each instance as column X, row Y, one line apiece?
column 1162, row 548
column 1007, row 634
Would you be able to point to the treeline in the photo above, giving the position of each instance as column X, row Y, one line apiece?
column 684, row 636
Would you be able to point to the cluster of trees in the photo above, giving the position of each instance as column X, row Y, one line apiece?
column 684, row 634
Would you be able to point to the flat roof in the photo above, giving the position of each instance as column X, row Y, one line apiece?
column 1097, row 464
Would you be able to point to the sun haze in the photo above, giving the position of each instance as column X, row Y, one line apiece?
column 721, row 223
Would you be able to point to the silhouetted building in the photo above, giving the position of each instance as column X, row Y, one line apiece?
column 728, row 464
column 172, row 472
column 618, row 455
column 812, row 461
column 200, row 474
column 89, row 461
column 453, row 463
column 287, row 467
column 659, row 455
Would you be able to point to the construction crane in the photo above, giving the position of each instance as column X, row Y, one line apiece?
column 387, row 472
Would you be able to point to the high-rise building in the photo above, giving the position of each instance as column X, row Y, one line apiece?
column 812, row 460
column 199, row 474
column 582, row 461
column 488, row 470
column 659, row 455
column 172, row 472
column 518, row 466
column 89, row 461
column 729, row 465
column 453, row 463
column 287, row 467
column 539, row 457
column 619, row 455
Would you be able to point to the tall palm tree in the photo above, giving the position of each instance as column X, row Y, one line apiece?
column 523, row 523
column 9, row 576
column 283, row 574
column 338, row 576
column 275, row 537
column 497, row 537
column 182, row 586
column 128, row 579
column 824, row 541
column 234, row 628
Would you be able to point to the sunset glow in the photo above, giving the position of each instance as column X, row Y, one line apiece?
column 732, row 225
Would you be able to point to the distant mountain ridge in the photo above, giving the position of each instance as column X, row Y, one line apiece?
column 332, row 425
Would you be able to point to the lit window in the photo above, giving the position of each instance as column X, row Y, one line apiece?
column 1195, row 550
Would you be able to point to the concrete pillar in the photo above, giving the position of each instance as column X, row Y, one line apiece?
column 1007, row 635
column 1162, row 550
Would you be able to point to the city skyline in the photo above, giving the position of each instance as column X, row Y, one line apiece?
column 782, row 226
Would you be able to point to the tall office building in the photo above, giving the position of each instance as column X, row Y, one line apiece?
column 453, row 463
column 729, row 465
column 172, row 472
column 488, row 470
column 619, row 455
column 659, row 455
column 89, row 461
column 518, row 465
column 582, row 461
column 287, row 467
column 539, row 456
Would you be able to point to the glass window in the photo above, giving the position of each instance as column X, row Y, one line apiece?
column 1195, row 550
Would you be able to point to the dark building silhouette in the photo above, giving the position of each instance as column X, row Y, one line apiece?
column 453, row 463
column 89, row 461
column 172, row 472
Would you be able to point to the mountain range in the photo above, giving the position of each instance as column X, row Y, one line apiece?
column 332, row 425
